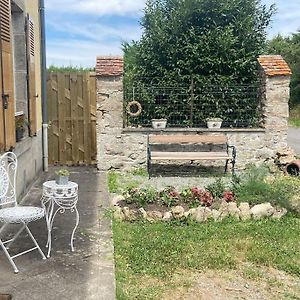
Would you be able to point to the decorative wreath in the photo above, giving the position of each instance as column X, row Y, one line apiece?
column 137, row 108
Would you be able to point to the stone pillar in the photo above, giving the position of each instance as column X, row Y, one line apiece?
column 275, row 77
column 109, row 72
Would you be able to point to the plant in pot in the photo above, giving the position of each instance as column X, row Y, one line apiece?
column 214, row 123
column 62, row 176
column 159, row 123
column 161, row 120
column 20, row 124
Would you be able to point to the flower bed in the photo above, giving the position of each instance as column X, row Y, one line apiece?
column 194, row 203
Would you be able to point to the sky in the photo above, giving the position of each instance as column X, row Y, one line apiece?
column 77, row 31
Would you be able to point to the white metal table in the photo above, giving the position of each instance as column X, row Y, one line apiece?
column 57, row 199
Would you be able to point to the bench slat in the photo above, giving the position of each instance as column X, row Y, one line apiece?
column 188, row 147
column 189, row 155
column 194, row 139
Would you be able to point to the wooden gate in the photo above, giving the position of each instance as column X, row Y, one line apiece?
column 72, row 118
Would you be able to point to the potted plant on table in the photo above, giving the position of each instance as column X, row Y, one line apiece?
column 62, row 177
column 214, row 123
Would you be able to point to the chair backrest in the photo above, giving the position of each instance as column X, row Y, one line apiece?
column 8, row 171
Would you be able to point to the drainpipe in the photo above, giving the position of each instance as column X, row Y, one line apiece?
column 44, row 84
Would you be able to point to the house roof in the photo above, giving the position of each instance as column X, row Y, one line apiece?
column 274, row 65
column 109, row 65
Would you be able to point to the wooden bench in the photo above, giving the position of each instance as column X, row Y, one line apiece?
column 189, row 148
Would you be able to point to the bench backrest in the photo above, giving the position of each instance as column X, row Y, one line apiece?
column 187, row 143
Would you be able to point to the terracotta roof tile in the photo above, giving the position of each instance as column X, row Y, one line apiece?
column 109, row 65
column 274, row 65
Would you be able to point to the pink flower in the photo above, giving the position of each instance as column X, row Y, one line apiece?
column 174, row 194
column 228, row 196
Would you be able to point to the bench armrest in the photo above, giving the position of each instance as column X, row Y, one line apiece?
column 233, row 151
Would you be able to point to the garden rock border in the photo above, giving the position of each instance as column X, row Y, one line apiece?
column 242, row 212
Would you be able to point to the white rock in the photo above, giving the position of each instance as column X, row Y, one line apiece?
column 186, row 214
column 167, row 216
column 262, row 210
column 177, row 211
column 118, row 214
column 192, row 213
column 233, row 210
column 126, row 211
column 130, row 215
column 154, row 215
column 142, row 213
column 223, row 210
column 215, row 214
column 279, row 213
column 116, row 199
column 245, row 213
column 201, row 214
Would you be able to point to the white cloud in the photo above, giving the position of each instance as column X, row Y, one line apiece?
column 78, row 53
column 78, row 42
column 79, row 32
column 286, row 19
column 98, row 7
column 96, row 31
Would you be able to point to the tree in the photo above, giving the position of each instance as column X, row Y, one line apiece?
column 289, row 49
column 202, row 45
column 214, row 40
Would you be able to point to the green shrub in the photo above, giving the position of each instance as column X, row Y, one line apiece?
column 169, row 196
column 112, row 181
column 140, row 197
column 217, row 188
column 257, row 185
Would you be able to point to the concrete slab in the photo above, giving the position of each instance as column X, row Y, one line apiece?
column 87, row 273
column 294, row 139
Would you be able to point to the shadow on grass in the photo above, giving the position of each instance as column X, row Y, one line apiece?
column 170, row 170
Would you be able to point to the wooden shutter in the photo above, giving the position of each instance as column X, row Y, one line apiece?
column 31, row 87
column 7, row 115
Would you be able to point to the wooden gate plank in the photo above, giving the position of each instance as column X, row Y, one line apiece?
column 87, row 119
column 50, row 117
column 61, row 117
column 72, row 114
column 74, row 117
column 80, row 120
column 93, row 116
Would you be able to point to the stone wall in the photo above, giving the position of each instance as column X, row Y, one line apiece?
column 29, row 149
column 126, row 148
column 30, row 162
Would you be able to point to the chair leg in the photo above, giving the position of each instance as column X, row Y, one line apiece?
column 35, row 242
column 15, row 237
column 8, row 257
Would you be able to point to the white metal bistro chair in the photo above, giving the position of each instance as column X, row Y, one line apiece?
column 10, row 211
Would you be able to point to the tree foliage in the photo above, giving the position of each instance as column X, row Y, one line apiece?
column 214, row 40
column 201, row 45
column 289, row 49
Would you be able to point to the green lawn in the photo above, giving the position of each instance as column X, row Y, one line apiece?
column 147, row 255
column 294, row 119
column 150, row 255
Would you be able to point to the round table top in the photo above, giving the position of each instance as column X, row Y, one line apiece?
column 53, row 185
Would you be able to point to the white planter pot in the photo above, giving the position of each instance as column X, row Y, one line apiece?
column 214, row 124
column 159, row 123
column 62, row 180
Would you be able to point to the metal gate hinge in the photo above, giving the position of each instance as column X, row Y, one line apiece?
column 5, row 98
